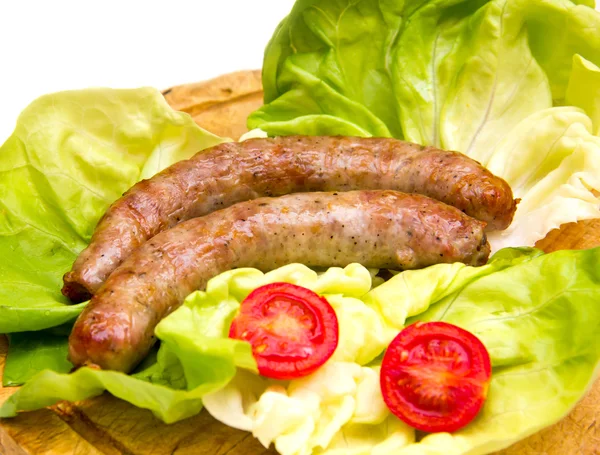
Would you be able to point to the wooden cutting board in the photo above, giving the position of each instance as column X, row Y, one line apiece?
column 109, row 426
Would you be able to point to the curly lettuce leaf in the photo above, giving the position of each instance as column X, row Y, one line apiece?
column 71, row 155
column 537, row 315
column 362, row 335
column 337, row 410
column 552, row 162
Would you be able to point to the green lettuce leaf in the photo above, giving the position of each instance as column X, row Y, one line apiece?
column 456, row 74
column 411, row 292
column 32, row 352
column 196, row 356
column 192, row 361
column 584, row 89
column 362, row 335
column 538, row 316
column 513, row 84
column 459, row 66
column 540, row 322
column 327, row 69
column 71, row 155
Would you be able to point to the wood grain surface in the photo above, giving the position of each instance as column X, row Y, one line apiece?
column 109, row 426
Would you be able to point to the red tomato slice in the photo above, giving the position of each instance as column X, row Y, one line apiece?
column 292, row 330
column 435, row 376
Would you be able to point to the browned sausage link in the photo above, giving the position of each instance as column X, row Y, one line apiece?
column 235, row 172
column 381, row 229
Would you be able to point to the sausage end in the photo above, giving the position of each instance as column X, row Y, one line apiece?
column 74, row 290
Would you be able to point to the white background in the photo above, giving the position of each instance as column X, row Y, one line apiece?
column 52, row 45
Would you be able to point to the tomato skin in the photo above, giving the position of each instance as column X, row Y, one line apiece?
column 292, row 330
column 435, row 376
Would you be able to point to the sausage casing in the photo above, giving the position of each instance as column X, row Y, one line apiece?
column 380, row 229
column 233, row 172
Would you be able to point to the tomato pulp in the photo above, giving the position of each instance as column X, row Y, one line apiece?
column 435, row 376
column 292, row 330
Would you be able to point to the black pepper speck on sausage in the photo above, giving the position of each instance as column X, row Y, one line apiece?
column 239, row 171
column 379, row 229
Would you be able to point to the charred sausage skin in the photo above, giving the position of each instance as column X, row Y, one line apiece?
column 380, row 229
column 239, row 171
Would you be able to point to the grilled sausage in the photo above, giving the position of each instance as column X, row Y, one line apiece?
column 381, row 229
column 235, row 172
